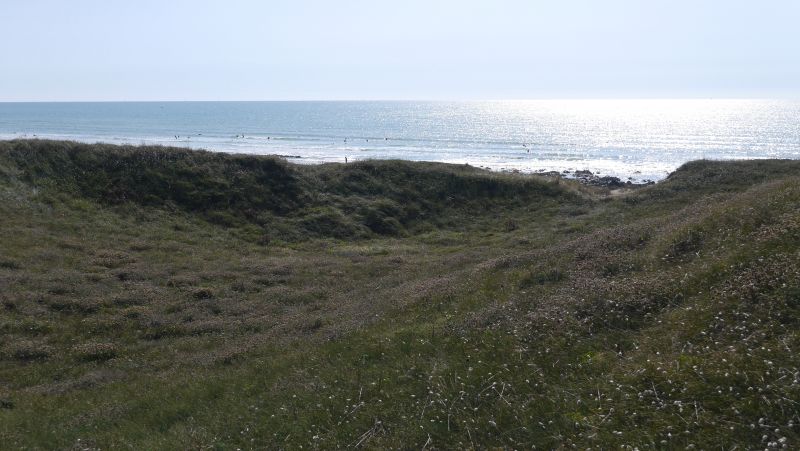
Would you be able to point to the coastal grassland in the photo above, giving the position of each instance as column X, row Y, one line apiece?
column 164, row 298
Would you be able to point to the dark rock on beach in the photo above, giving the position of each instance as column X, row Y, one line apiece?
column 611, row 182
column 588, row 178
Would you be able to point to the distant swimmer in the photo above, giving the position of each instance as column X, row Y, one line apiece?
column 268, row 137
column 345, row 140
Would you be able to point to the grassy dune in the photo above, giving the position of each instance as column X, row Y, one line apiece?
column 163, row 298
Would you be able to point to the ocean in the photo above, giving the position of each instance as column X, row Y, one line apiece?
column 631, row 139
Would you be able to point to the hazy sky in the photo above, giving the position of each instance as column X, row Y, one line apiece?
column 401, row 49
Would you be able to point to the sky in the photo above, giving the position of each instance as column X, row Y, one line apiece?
column 113, row 50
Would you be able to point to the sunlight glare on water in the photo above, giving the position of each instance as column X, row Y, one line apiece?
column 637, row 139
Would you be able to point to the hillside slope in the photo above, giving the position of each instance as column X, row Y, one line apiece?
column 165, row 298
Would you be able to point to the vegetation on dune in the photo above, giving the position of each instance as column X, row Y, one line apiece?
column 284, row 201
column 165, row 298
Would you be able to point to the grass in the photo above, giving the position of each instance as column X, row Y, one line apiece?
column 165, row 298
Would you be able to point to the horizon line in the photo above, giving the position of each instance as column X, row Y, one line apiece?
column 529, row 99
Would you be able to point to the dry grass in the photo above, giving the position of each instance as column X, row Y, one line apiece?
column 662, row 318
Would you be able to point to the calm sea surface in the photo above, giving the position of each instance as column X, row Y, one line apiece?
column 639, row 139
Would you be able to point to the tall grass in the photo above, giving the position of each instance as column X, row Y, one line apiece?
column 173, row 299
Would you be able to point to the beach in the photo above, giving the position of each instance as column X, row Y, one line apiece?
column 636, row 140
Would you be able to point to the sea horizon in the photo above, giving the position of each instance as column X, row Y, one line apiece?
column 636, row 139
column 431, row 100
